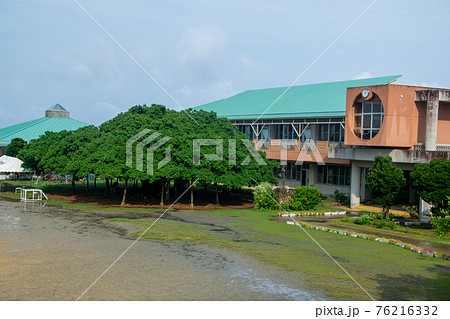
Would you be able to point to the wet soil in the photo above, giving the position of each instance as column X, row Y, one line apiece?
column 203, row 199
column 52, row 253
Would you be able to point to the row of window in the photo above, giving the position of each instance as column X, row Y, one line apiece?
column 248, row 131
column 289, row 132
column 327, row 132
column 331, row 132
column 368, row 119
column 334, row 175
column 292, row 171
column 339, row 175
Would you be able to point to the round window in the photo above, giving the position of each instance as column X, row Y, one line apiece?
column 368, row 117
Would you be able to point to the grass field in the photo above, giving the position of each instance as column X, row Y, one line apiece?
column 385, row 271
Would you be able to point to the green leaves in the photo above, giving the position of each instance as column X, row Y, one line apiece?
column 15, row 146
column 304, row 198
column 432, row 182
column 386, row 181
column 103, row 150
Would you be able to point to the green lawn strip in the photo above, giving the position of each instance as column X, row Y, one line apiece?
column 379, row 268
column 413, row 233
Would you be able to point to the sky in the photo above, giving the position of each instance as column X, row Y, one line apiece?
column 201, row 51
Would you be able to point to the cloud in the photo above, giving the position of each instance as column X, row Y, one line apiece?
column 433, row 84
column 217, row 90
column 202, row 43
column 199, row 52
column 101, row 112
column 80, row 70
column 364, row 75
column 85, row 67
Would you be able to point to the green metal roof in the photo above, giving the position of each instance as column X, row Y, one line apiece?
column 57, row 107
column 302, row 101
column 33, row 129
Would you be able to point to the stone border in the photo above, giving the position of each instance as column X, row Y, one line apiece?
column 394, row 242
column 311, row 214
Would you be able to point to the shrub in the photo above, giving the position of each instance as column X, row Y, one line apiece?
column 263, row 197
column 441, row 222
column 305, row 198
column 373, row 220
column 413, row 211
column 342, row 198
column 365, row 220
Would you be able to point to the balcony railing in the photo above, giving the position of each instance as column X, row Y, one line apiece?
column 412, row 156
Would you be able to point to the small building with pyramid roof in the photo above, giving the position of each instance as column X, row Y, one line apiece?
column 57, row 118
column 57, row 110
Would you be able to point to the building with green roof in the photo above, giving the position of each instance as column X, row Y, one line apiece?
column 328, row 134
column 57, row 118
column 302, row 101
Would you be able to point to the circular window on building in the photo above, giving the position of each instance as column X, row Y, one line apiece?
column 368, row 117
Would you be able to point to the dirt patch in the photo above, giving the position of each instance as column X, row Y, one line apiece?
column 441, row 268
column 203, row 200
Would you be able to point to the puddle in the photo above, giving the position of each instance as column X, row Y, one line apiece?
column 267, row 285
column 61, row 241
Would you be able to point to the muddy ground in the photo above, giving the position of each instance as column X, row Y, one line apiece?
column 50, row 253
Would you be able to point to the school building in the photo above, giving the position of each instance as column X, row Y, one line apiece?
column 328, row 134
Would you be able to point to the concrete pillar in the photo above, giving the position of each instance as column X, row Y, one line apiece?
column 424, row 211
column 355, row 187
column 312, row 174
column 431, row 124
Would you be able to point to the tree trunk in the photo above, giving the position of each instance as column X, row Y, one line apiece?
column 192, row 195
column 106, row 185
column 386, row 212
column 175, row 188
column 124, row 197
column 161, row 203
column 217, row 194
column 168, row 190
column 73, row 185
column 87, row 183
column 95, row 183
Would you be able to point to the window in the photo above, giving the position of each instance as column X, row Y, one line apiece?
column 293, row 172
column 368, row 118
column 306, row 129
column 334, row 175
column 248, row 131
column 331, row 132
column 286, row 132
column 264, row 133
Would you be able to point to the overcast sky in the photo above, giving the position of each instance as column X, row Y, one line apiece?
column 201, row 51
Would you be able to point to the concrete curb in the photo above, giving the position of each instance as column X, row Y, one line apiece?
column 311, row 214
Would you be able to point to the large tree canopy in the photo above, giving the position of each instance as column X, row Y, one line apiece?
column 386, row 181
column 15, row 146
column 103, row 151
column 432, row 182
